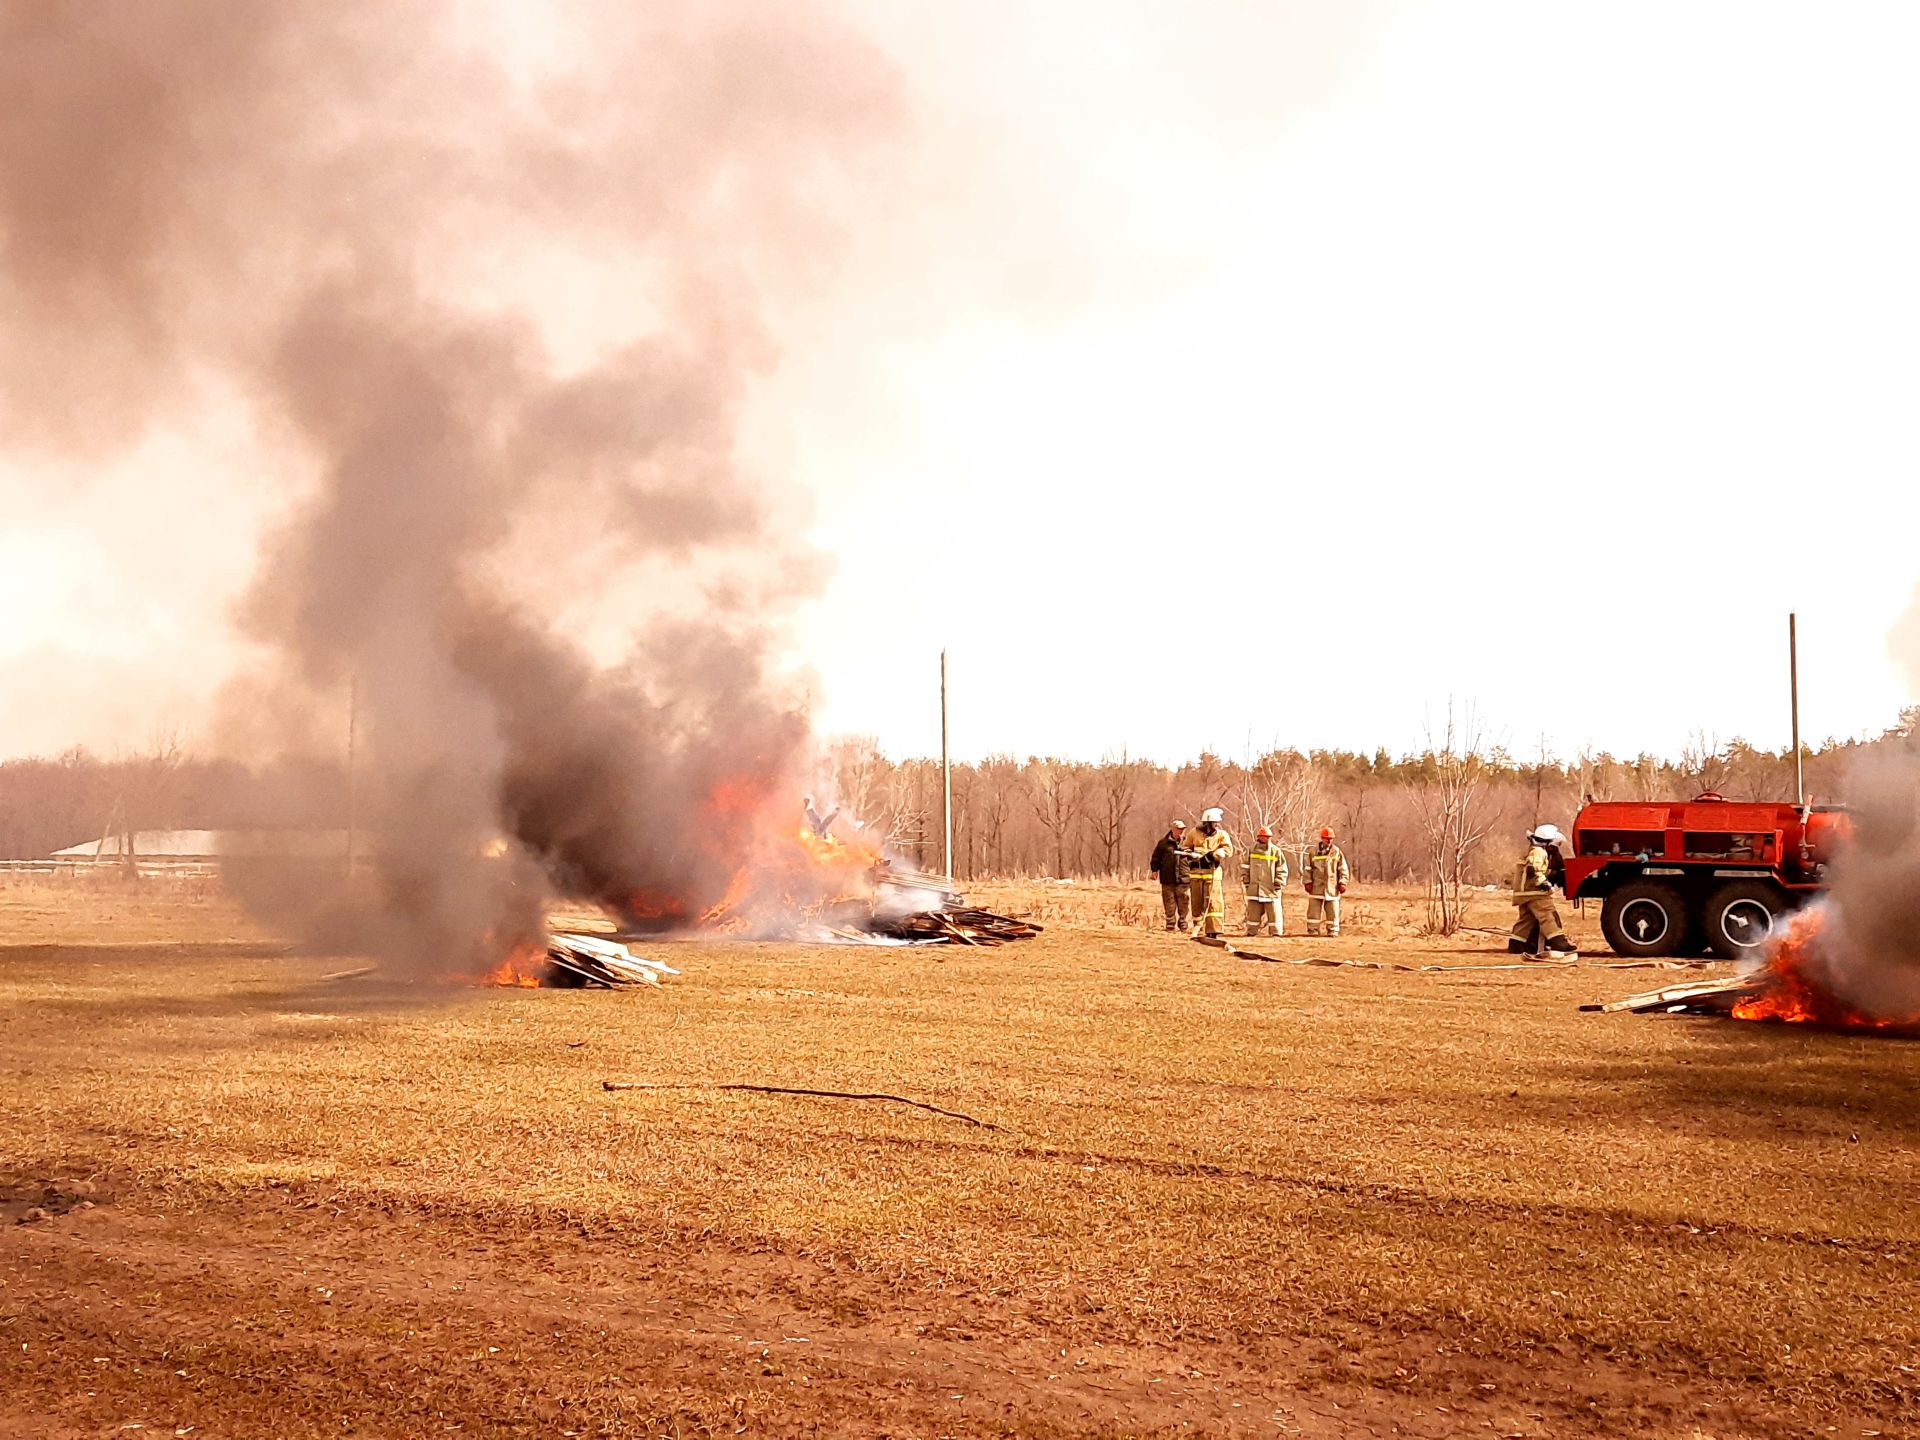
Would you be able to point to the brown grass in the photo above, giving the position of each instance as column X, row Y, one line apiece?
column 1197, row 1155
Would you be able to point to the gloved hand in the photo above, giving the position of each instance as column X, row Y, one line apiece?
column 1340, row 889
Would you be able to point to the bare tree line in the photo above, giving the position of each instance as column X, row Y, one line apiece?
column 1448, row 817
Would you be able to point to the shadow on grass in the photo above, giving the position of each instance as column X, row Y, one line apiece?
column 266, row 992
column 142, row 953
column 1744, row 1080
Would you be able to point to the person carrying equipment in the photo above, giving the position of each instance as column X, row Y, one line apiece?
column 1211, row 849
column 1266, row 877
column 1536, row 926
column 1326, row 877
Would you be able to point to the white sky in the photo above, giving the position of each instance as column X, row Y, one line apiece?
column 1242, row 374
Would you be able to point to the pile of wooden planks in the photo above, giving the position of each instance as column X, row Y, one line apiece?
column 962, row 925
column 593, row 962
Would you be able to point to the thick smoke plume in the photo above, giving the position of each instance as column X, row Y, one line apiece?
column 1863, row 944
column 351, row 219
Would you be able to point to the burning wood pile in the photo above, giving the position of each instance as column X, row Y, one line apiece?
column 901, row 907
column 810, row 886
column 1795, row 987
column 826, row 890
column 578, row 962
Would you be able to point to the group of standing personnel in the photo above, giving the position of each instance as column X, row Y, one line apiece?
column 1192, row 867
column 1192, row 870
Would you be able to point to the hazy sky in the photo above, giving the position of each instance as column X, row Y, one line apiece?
column 1223, row 375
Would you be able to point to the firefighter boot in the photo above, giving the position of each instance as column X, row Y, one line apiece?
column 1561, row 945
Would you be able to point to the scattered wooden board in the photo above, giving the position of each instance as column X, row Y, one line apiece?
column 1710, row 997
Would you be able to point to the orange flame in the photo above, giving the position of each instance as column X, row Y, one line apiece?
column 1797, row 990
column 522, row 966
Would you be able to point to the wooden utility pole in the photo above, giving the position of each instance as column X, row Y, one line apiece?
column 946, row 768
column 1793, row 683
column 353, row 699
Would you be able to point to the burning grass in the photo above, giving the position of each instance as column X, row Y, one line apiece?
column 1311, row 1185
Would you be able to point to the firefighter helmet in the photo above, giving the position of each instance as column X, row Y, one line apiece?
column 1547, row 834
column 1215, row 814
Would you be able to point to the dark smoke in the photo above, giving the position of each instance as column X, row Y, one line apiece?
column 348, row 216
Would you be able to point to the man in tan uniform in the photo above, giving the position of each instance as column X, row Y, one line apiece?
column 1212, row 848
column 1327, row 877
column 1537, row 928
column 1266, row 876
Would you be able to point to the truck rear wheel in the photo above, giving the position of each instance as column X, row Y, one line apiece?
column 1742, row 917
column 1644, row 919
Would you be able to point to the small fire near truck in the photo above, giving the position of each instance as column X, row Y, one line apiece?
column 1709, row 873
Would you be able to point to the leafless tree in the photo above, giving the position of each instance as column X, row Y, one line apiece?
column 859, row 775
column 1755, row 774
column 907, row 808
column 1282, row 790
column 1543, row 757
column 1703, row 763
column 1058, row 795
column 1595, row 775
column 1002, row 783
column 1648, row 778
column 1353, row 826
column 1203, row 783
column 966, row 789
column 149, row 793
column 1445, row 797
column 1116, row 785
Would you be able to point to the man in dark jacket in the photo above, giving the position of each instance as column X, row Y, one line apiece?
column 1172, row 862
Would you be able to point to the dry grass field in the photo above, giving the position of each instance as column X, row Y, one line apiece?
column 1219, row 1197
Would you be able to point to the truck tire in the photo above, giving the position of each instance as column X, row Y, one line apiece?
column 1644, row 919
column 1741, row 917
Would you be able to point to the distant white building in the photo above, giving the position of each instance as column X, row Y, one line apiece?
column 213, row 845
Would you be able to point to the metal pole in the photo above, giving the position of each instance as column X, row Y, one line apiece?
column 946, row 767
column 1793, row 681
column 353, row 700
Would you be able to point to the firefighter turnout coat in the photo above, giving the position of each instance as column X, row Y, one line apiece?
column 1266, row 872
column 1533, row 876
column 1210, row 879
column 1326, row 871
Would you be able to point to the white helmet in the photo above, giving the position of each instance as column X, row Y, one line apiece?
column 1547, row 834
column 1215, row 814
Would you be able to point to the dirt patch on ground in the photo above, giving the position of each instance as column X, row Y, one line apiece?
column 26, row 1200
column 302, row 1317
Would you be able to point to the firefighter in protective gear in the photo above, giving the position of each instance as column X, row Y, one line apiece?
column 1212, row 848
column 1327, row 877
column 1266, row 876
column 1536, row 926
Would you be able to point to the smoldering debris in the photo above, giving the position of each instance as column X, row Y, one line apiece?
column 572, row 962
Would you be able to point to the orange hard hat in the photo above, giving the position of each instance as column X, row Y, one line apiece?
column 1326, row 832
column 1263, row 833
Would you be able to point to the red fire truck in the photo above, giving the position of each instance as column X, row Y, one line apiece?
column 1673, row 878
